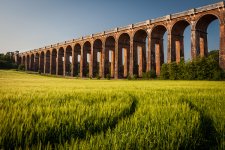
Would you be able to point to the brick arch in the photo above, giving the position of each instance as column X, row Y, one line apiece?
column 177, row 39
column 76, row 59
column 123, row 54
column 60, row 62
column 139, row 51
column 97, row 53
column 110, row 55
column 85, row 65
column 47, row 61
column 68, row 60
column 157, row 48
column 53, row 61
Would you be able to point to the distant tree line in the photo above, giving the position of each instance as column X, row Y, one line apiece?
column 205, row 68
column 6, row 61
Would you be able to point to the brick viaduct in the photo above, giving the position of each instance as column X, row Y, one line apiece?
column 131, row 49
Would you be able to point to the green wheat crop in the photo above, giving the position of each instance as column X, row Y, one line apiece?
column 39, row 112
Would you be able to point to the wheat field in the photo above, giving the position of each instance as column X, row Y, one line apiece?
column 41, row 112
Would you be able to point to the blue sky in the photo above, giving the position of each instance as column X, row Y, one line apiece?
column 28, row 24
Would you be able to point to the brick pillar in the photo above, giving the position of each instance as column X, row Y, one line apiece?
column 39, row 62
column 112, row 63
column 157, row 58
column 125, row 62
column 149, row 55
column 194, row 43
column 140, row 65
column 177, row 44
column 45, row 59
column 222, row 47
column 203, row 44
column 116, row 59
column 131, row 70
column 169, row 47
column 30, row 68
column 91, row 61
column 81, row 61
column 73, row 63
column 102, row 61
column 50, row 66
column 64, row 62
column 57, row 63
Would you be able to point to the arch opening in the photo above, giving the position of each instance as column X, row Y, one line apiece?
column 60, row 61
column 32, row 63
column 76, row 62
column 47, row 62
column 68, row 61
column 97, row 58
column 202, row 37
column 177, row 40
column 123, row 55
column 157, row 48
column 110, row 56
column 86, row 59
column 54, row 60
column 140, row 51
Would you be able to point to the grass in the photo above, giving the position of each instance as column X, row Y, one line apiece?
column 40, row 112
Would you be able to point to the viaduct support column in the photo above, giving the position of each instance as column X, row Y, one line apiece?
column 194, row 43
column 116, row 59
column 91, row 59
column 140, row 57
column 125, row 62
column 45, row 59
column 102, row 61
column 73, row 63
column 81, row 61
column 57, row 63
column 112, row 63
column 169, row 48
column 64, row 62
column 131, row 69
column 149, row 55
column 222, row 47
column 50, row 66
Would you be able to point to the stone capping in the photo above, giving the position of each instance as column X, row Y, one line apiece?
column 143, row 23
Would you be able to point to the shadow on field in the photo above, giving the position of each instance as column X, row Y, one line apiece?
column 205, row 137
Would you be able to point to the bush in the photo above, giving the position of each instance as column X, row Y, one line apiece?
column 206, row 68
column 98, row 76
column 21, row 67
column 108, row 76
column 164, row 74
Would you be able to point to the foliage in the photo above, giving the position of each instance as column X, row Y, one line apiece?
column 206, row 68
column 149, row 75
column 39, row 112
column 6, row 62
column 108, row 76
column 21, row 67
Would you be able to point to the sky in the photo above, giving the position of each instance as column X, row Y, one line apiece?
column 29, row 24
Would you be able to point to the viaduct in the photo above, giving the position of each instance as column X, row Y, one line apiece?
column 129, row 50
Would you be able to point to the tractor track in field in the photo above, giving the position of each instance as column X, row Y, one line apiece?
column 208, row 138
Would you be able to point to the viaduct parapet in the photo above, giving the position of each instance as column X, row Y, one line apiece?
column 129, row 50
